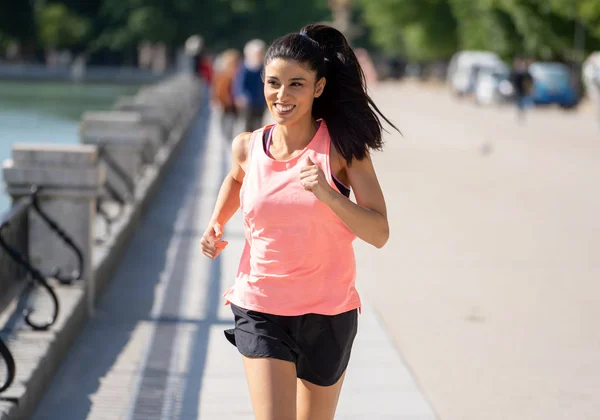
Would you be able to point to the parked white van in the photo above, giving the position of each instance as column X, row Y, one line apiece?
column 465, row 66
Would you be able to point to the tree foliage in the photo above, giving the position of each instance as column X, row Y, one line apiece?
column 429, row 29
column 119, row 25
column 418, row 29
column 59, row 27
column 421, row 29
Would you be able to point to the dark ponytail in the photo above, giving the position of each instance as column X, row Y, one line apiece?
column 351, row 115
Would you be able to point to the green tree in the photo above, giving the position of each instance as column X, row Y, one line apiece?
column 222, row 23
column 58, row 27
column 425, row 29
column 231, row 24
column 419, row 29
column 582, row 12
column 482, row 26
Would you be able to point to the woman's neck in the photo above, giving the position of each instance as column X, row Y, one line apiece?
column 295, row 136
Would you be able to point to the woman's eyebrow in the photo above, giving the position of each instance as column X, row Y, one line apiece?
column 269, row 76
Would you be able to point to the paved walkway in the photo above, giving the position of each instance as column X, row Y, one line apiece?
column 489, row 282
column 156, row 349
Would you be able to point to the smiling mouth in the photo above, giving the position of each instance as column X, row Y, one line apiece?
column 284, row 109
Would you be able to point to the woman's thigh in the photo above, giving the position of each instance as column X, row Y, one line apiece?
column 316, row 402
column 272, row 385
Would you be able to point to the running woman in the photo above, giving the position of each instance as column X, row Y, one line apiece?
column 294, row 298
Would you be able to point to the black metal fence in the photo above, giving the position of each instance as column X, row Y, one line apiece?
column 17, row 271
column 14, row 228
column 110, row 193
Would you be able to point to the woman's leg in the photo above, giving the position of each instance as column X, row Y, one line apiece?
column 272, row 385
column 316, row 402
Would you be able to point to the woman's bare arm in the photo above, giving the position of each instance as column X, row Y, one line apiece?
column 367, row 218
column 228, row 200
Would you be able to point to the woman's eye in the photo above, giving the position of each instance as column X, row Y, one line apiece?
column 272, row 83
column 297, row 84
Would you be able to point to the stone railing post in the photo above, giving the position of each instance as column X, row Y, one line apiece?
column 152, row 116
column 69, row 180
column 128, row 143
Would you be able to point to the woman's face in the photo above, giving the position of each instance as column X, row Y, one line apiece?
column 290, row 89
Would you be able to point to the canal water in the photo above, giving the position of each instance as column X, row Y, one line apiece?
column 48, row 113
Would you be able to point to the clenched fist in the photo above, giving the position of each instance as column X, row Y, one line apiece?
column 211, row 242
column 313, row 179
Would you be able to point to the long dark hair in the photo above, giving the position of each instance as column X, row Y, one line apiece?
column 351, row 115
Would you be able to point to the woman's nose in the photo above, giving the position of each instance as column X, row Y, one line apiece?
column 282, row 93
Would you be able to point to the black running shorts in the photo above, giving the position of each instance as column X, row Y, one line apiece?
column 319, row 345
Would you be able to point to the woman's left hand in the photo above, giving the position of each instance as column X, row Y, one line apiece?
column 313, row 179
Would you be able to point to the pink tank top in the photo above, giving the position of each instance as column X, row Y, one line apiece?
column 298, row 257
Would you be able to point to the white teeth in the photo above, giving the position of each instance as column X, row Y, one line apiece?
column 284, row 108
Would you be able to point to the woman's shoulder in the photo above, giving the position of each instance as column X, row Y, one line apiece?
column 240, row 147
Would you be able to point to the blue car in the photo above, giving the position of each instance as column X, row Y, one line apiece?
column 552, row 84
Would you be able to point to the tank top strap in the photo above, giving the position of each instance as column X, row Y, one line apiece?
column 254, row 144
column 322, row 142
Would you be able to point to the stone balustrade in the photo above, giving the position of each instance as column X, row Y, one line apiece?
column 102, row 184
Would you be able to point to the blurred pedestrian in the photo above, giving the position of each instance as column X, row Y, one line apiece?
column 294, row 299
column 522, row 82
column 226, row 67
column 248, row 86
column 200, row 60
column 204, row 68
column 591, row 79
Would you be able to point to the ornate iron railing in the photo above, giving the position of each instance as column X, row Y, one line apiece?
column 116, row 168
column 16, row 269
column 10, row 367
column 110, row 192
column 15, row 226
column 20, row 257
column 56, row 273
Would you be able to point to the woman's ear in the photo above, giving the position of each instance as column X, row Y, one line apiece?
column 319, row 87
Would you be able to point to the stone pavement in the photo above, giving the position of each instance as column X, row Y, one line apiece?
column 489, row 282
column 156, row 350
